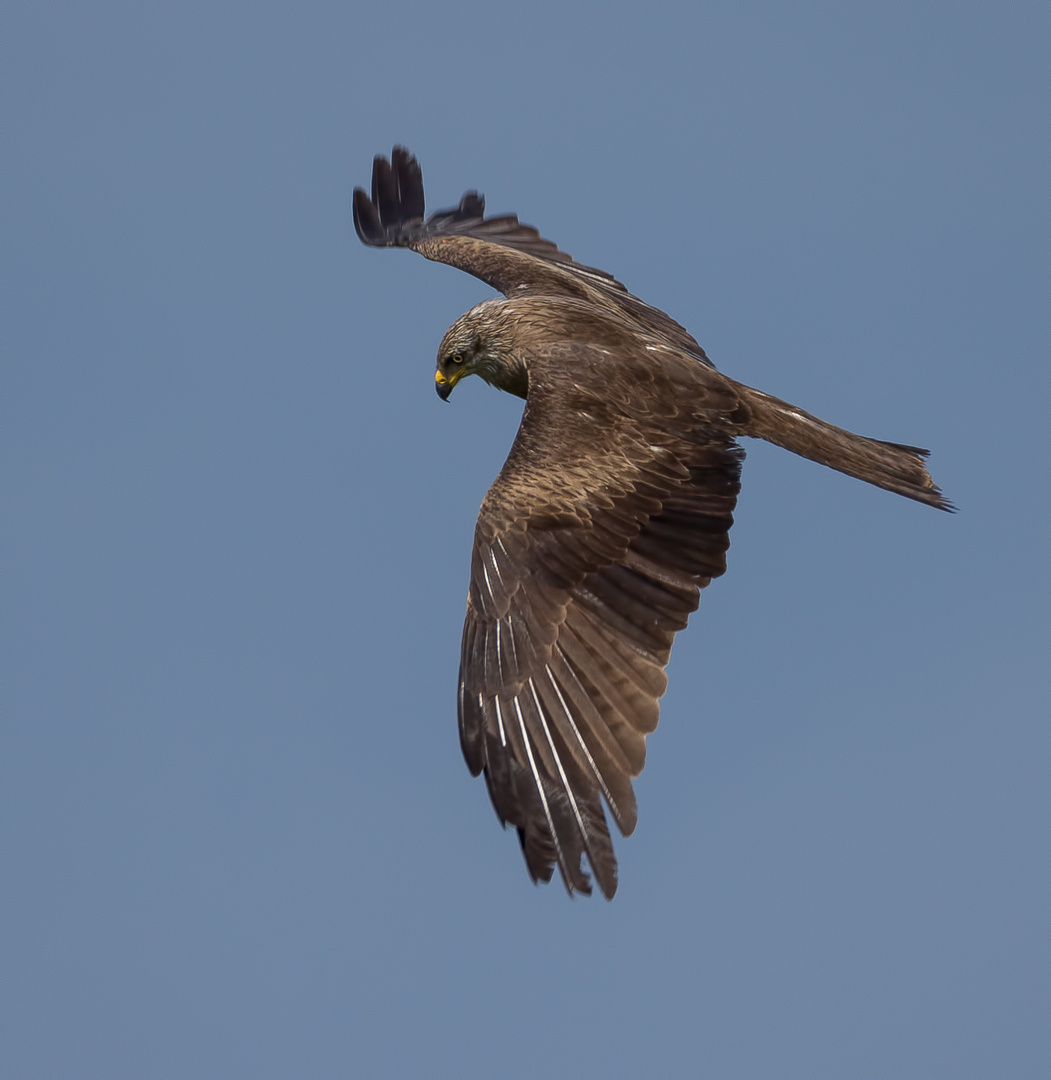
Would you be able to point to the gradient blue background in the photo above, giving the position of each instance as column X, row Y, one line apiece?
column 238, row 835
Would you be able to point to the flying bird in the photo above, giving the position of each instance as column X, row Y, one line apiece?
column 609, row 516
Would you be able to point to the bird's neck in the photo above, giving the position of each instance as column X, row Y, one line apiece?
column 509, row 373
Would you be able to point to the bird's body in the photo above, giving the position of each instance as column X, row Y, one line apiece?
column 609, row 516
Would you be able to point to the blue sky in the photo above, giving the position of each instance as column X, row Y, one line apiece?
column 239, row 837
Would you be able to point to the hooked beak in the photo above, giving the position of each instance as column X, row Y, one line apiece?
column 443, row 386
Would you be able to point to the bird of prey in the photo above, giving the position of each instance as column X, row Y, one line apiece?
column 609, row 516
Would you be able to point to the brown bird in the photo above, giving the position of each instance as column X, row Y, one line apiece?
column 609, row 516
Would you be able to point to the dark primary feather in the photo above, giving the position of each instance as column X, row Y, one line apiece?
column 609, row 516
column 504, row 253
column 393, row 217
column 579, row 582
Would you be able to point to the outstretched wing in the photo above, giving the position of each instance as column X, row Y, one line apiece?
column 504, row 253
column 590, row 552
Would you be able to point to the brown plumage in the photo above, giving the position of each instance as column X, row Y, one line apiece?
column 609, row 516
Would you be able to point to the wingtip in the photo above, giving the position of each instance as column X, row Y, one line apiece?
column 396, row 199
column 366, row 221
column 410, row 184
column 472, row 205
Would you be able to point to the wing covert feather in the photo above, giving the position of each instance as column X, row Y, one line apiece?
column 501, row 251
column 580, row 580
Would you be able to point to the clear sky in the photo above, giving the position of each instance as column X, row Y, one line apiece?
column 238, row 835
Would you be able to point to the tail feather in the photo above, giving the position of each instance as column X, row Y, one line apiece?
column 893, row 466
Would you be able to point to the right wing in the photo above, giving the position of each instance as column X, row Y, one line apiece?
column 501, row 251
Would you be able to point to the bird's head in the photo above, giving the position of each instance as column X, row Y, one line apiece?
column 481, row 343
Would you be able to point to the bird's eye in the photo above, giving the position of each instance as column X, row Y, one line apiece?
column 457, row 358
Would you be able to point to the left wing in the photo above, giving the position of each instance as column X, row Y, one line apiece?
column 591, row 548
